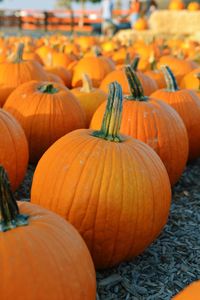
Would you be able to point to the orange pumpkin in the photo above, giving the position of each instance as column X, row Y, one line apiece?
column 48, row 255
column 149, row 85
column 89, row 97
column 176, row 5
column 193, row 6
column 61, row 72
column 191, row 292
column 13, row 149
column 141, row 24
column 112, row 188
column 190, row 80
column 97, row 67
column 14, row 73
column 46, row 112
column 153, row 122
column 187, row 104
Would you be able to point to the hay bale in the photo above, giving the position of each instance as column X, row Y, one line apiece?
column 175, row 22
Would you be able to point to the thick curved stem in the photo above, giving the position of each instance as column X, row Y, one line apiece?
column 112, row 116
column 170, row 79
column 19, row 54
column 9, row 211
column 136, row 89
column 87, row 84
column 135, row 63
column 48, row 89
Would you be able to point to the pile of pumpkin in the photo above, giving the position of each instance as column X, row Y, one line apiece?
column 110, row 134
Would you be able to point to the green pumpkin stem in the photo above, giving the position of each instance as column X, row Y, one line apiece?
column 112, row 117
column 96, row 50
column 135, row 63
column 87, row 84
column 48, row 89
column 136, row 89
column 170, row 79
column 9, row 211
column 19, row 54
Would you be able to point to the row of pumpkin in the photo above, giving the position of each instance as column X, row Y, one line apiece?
column 113, row 188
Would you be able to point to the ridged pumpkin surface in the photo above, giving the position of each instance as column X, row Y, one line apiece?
column 116, row 194
column 190, row 80
column 149, row 85
column 13, row 148
column 45, row 260
column 158, row 125
column 187, row 104
column 44, row 116
column 191, row 292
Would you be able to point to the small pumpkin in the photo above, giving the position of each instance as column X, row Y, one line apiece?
column 41, row 254
column 176, row 5
column 193, row 6
column 190, row 80
column 141, row 24
column 187, row 104
column 96, row 66
column 114, row 189
column 89, row 97
column 46, row 111
column 13, row 149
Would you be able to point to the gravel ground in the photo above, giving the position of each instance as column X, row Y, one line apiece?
column 170, row 263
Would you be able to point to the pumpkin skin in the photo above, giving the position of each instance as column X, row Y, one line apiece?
column 141, row 24
column 149, row 85
column 190, row 80
column 193, row 6
column 154, row 123
column 107, row 184
column 5, row 91
column 158, row 76
column 96, row 67
column 176, row 5
column 44, row 116
column 59, row 265
column 89, row 98
column 191, row 292
column 13, row 148
column 61, row 72
column 187, row 104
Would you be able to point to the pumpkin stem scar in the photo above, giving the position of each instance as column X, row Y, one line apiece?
column 112, row 117
column 48, row 89
column 19, row 54
column 9, row 211
column 136, row 89
column 170, row 79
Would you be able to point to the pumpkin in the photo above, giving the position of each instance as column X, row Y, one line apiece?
column 114, row 189
column 13, row 148
column 153, row 122
column 61, row 72
column 193, row 6
column 89, row 97
column 97, row 67
column 187, row 104
column 191, row 292
column 176, row 5
column 41, row 254
column 190, row 80
column 62, row 59
column 54, row 78
column 178, row 66
column 149, row 85
column 14, row 73
column 46, row 111
column 141, row 24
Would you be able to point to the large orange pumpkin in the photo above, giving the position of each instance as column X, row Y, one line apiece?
column 187, row 104
column 13, row 148
column 41, row 254
column 46, row 112
column 115, row 190
column 191, row 292
column 89, row 97
column 153, row 122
